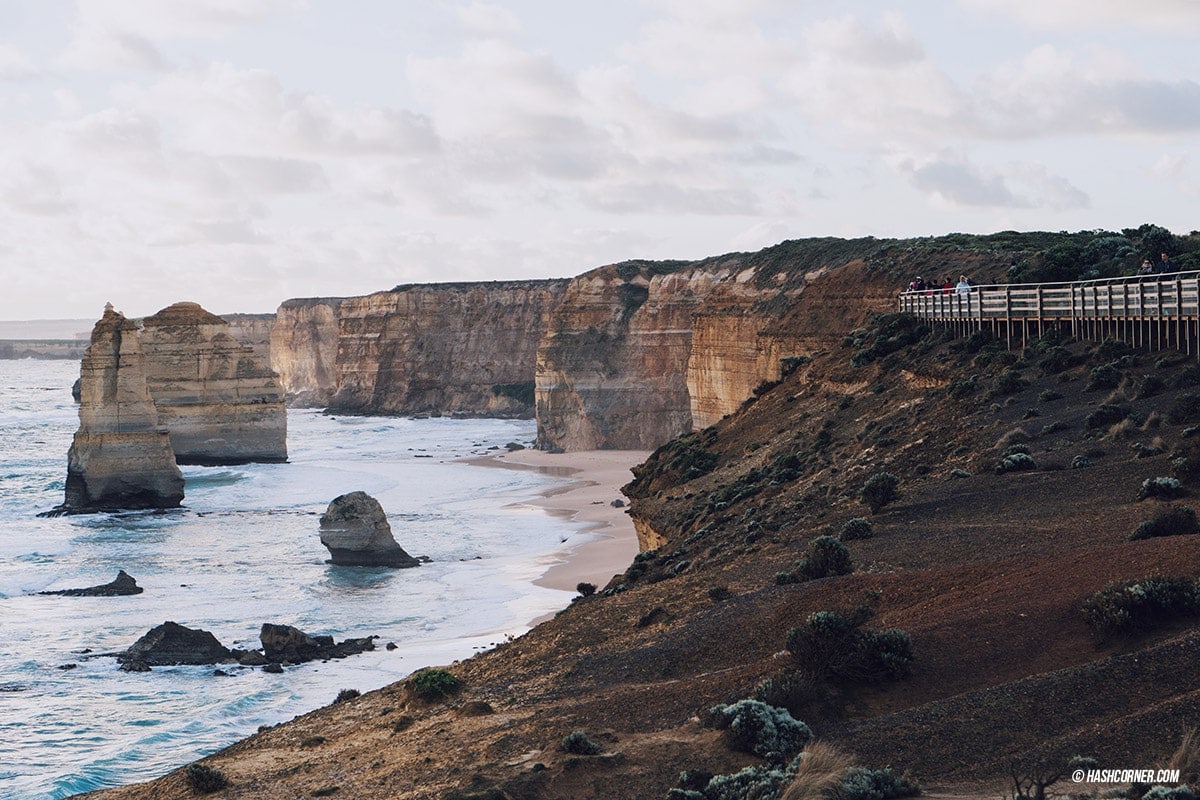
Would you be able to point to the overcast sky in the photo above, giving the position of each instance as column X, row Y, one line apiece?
column 241, row 152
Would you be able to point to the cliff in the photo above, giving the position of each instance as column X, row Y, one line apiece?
column 220, row 402
column 455, row 348
column 253, row 330
column 121, row 456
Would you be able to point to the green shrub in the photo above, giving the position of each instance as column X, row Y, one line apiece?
column 433, row 683
column 767, row 731
column 1104, row 416
column 1106, row 376
column 1172, row 521
column 1152, row 385
column 1165, row 488
column 580, row 744
column 879, row 490
column 792, row 690
column 1015, row 462
column 346, row 694
column 1047, row 395
column 786, row 578
column 963, row 388
column 719, row 593
column 1008, row 382
column 750, row 783
column 585, row 589
column 832, row 645
column 826, row 556
column 1161, row 792
column 204, row 779
column 1057, row 359
column 857, row 528
column 1138, row 606
column 861, row 783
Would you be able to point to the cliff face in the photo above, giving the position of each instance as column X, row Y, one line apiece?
column 220, row 402
column 433, row 349
column 120, row 457
column 253, row 330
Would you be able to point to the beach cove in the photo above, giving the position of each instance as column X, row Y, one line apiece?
column 507, row 546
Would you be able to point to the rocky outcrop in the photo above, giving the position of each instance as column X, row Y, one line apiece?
column 121, row 456
column 123, row 584
column 357, row 533
column 253, row 330
column 465, row 349
column 220, row 402
column 171, row 643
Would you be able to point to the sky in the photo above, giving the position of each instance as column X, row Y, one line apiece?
column 238, row 153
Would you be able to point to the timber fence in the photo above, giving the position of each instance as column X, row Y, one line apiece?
column 1154, row 312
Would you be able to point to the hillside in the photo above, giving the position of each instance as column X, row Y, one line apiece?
column 986, row 572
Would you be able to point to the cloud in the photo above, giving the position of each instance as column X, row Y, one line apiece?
column 954, row 181
column 14, row 64
column 488, row 20
column 1161, row 16
column 38, row 190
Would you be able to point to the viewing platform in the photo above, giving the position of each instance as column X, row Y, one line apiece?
column 1157, row 312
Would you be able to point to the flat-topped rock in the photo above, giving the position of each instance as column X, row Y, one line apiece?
column 217, row 397
column 121, row 456
column 171, row 643
column 357, row 533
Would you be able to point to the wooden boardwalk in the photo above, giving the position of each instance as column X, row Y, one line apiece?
column 1156, row 312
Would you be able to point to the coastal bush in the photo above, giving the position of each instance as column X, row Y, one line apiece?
column 1186, row 408
column 879, row 490
column 1138, row 606
column 749, row 783
column 1151, row 385
column 578, row 743
column 1163, row 792
column 204, row 779
column 1172, row 521
column 1048, row 395
column 1104, row 416
column 1105, row 376
column 585, row 589
column 1008, row 382
column 793, row 690
column 826, row 556
column 892, row 332
column 346, row 694
column 857, row 528
column 789, row 364
column 862, row 783
column 1015, row 462
column 719, row 593
column 689, row 458
column 767, row 731
column 964, row 387
column 433, row 683
column 834, row 646
column 1057, row 359
column 1163, row 487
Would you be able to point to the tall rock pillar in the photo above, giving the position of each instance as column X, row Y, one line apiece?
column 121, row 457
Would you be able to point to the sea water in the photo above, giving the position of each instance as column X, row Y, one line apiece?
column 244, row 550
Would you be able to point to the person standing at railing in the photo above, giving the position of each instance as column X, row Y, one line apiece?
column 947, row 285
column 964, row 285
column 1165, row 265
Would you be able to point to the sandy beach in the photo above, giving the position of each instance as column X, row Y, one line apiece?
column 609, row 543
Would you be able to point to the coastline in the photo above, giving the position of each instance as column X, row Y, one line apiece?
column 596, row 477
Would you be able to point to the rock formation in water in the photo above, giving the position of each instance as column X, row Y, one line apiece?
column 357, row 533
column 283, row 643
column 172, row 643
column 121, row 456
column 123, row 584
column 455, row 348
column 220, row 402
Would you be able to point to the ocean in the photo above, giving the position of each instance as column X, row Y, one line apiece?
column 243, row 551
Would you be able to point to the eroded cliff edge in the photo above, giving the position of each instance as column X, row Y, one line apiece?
column 455, row 348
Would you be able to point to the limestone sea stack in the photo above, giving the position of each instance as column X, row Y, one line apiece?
column 357, row 533
column 121, row 456
column 217, row 397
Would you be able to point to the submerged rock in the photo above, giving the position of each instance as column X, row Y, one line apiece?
column 123, row 584
column 120, row 457
column 171, row 643
column 357, row 533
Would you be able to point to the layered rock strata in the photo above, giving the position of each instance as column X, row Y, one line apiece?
column 219, row 400
column 121, row 456
column 357, row 533
column 465, row 349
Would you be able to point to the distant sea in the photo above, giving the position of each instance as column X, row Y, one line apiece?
column 243, row 551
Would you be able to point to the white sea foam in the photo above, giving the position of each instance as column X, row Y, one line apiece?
column 244, row 551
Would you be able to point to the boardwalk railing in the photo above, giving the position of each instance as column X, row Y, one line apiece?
column 1156, row 311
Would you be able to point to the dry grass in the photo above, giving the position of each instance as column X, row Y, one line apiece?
column 1125, row 429
column 821, row 767
column 1186, row 757
column 1015, row 436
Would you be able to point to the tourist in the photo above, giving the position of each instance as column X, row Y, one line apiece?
column 1165, row 265
column 964, row 285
